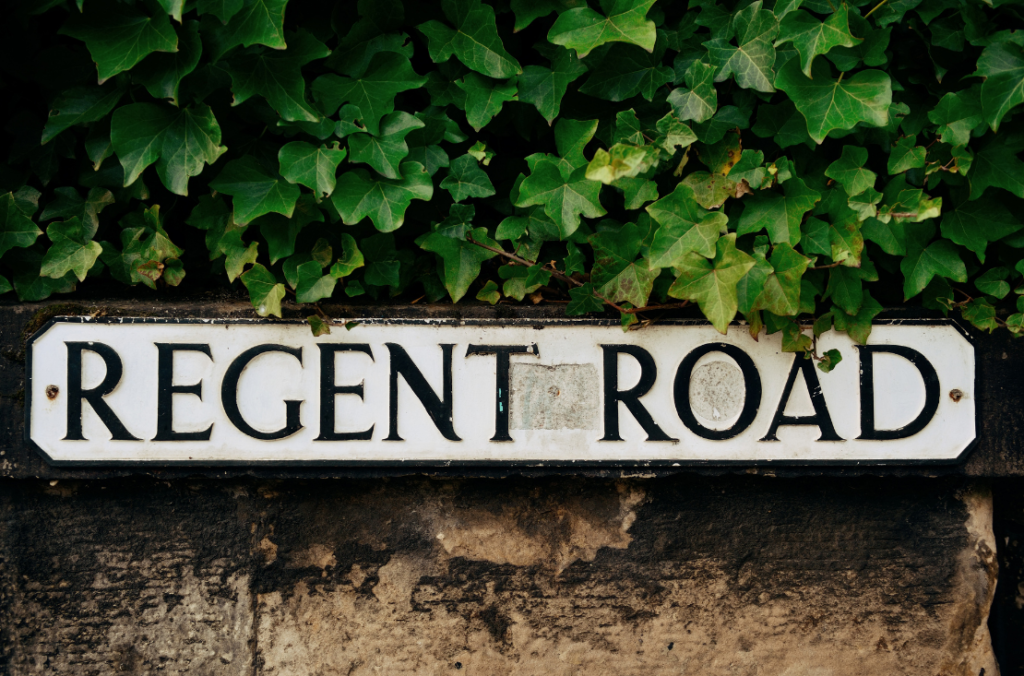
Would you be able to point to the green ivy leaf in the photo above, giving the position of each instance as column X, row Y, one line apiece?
column 461, row 258
column 179, row 141
column 780, row 214
column 685, row 227
column 752, row 61
column 118, row 36
column 67, row 203
column 781, row 294
column 849, row 171
column 584, row 29
column 813, row 38
column 565, row 195
column 257, row 22
column 81, row 105
column 383, row 200
column 350, row 260
column 616, row 274
column 582, row 301
column 277, row 77
column 996, row 165
column 620, row 161
column 313, row 167
column 485, row 97
column 374, row 93
column 712, row 283
column 313, row 285
column 489, row 293
column 828, row 104
column 265, row 292
column 16, row 229
column 700, row 101
column 975, row 224
column 255, row 190
column 378, row 30
column 527, row 11
column 627, row 71
column 386, row 151
column 161, row 73
column 545, row 87
column 957, row 114
column 1002, row 66
column 474, row 40
column 993, row 282
column 905, row 155
column 466, row 179
column 72, row 250
column 926, row 260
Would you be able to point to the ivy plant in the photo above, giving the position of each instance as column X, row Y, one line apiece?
column 779, row 166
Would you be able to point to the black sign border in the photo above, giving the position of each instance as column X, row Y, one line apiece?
column 537, row 323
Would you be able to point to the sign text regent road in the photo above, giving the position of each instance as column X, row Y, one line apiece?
column 443, row 391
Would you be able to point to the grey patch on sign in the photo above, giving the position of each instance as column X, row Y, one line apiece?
column 561, row 397
column 717, row 390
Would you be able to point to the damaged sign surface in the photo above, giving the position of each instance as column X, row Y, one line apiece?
column 538, row 392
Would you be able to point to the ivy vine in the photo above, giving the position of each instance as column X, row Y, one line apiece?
column 786, row 163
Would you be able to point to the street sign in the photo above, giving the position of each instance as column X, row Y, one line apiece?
column 526, row 392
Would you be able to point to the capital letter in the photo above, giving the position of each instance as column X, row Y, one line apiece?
column 630, row 397
column 329, row 389
column 94, row 396
column 820, row 419
column 165, row 391
column 439, row 409
column 502, row 353
column 229, row 395
column 867, row 392
column 751, row 393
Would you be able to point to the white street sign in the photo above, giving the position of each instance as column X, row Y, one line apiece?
column 436, row 392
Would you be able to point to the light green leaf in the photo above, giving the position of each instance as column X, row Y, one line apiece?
column 489, row 293
column 255, row 190
column 812, row 38
column 957, row 114
column 351, row 258
column 850, row 173
column 383, row 200
column 685, row 227
column 700, row 101
column 710, row 190
column 313, row 285
column 386, row 151
column 474, row 40
column 828, row 104
column 781, row 294
column 712, row 283
column 180, row 141
column 584, row 29
column 374, row 93
column 308, row 165
column 905, row 155
column 620, row 161
column 466, row 179
column 752, row 61
column 564, row 195
column 265, row 292
column 118, row 36
column 72, row 250
column 485, row 97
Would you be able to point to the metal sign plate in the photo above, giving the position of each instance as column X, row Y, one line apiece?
column 424, row 392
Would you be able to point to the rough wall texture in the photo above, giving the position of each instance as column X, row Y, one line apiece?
column 683, row 575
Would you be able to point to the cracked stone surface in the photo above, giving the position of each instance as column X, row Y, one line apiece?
column 683, row 575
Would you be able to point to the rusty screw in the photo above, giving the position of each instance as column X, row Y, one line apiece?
column 52, row 392
column 956, row 395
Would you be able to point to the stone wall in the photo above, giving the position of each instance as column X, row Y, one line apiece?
column 557, row 576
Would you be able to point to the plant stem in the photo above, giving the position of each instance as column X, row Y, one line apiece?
column 875, row 8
